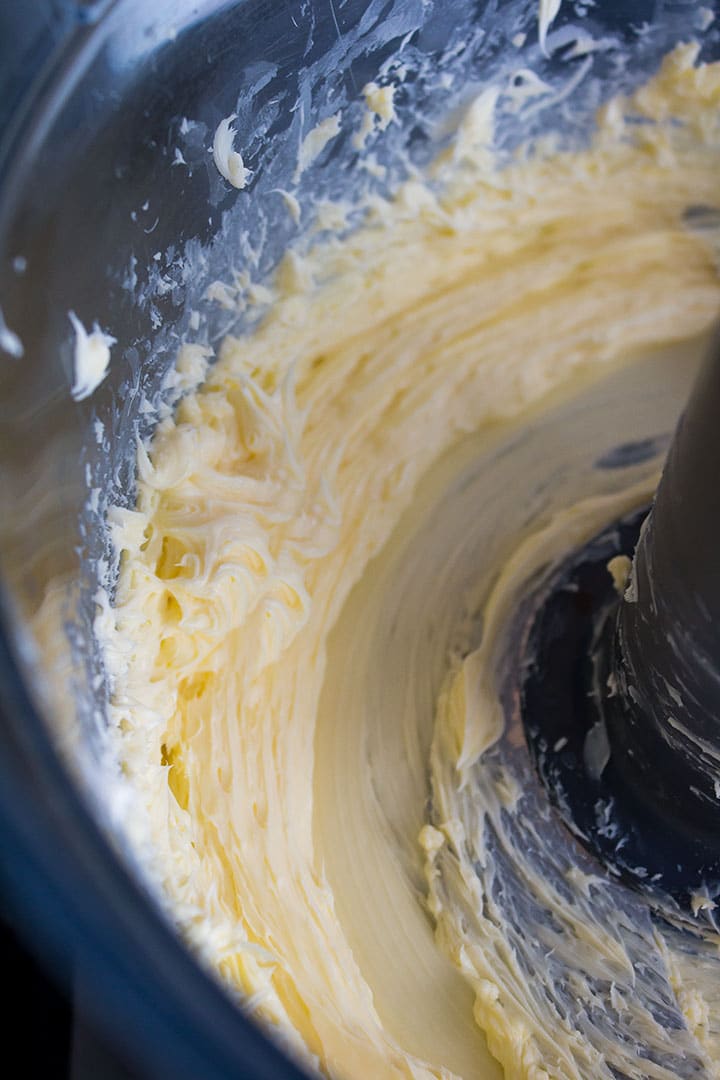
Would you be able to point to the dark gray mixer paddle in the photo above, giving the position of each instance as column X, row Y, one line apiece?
column 621, row 701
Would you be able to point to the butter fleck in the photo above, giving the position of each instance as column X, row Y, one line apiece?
column 619, row 568
column 91, row 358
column 546, row 15
column 228, row 161
column 9, row 340
column 315, row 142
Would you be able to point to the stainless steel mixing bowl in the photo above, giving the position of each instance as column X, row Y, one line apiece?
column 111, row 207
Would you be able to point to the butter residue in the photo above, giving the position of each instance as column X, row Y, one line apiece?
column 315, row 142
column 547, row 13
column 292, row 204
column 476, row 133
column 702, row 902
column 263, row 501
column 91, row 358
column 705, row 18
column 619, row 568
column 379, row 114
column 228, row 161
column 10, row 341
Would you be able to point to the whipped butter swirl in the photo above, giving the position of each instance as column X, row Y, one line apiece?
column 331, row 533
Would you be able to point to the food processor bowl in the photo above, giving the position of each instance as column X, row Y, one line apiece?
column 112, row 208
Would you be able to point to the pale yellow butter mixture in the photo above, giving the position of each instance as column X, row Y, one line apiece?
column 299, row 699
